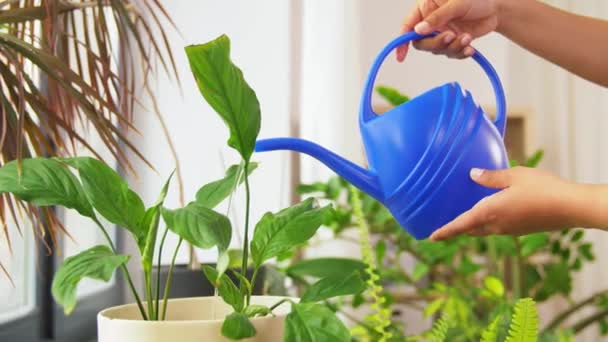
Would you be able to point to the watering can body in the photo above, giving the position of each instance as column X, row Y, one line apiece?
column 420, row 152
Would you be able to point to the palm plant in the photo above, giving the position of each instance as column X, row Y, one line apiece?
column 69, row 65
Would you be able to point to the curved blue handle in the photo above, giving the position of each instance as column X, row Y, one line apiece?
column 366, row 109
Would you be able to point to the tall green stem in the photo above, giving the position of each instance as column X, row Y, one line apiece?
column 246, row 236
column 124, row 270
column 169, row 276
column 517, row 269
column 158, row 267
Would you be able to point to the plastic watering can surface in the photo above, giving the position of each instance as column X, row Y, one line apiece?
column 420, row 152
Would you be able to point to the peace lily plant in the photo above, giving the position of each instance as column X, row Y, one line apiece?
column 95, row 190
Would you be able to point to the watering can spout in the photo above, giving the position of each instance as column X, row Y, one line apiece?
column 363, row 179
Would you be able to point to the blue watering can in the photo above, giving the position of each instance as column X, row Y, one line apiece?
column 420, row 153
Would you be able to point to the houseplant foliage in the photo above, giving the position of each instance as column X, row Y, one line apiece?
column 61, row 69
column 471, row 281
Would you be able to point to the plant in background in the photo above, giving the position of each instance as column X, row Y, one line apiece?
column 471, row 281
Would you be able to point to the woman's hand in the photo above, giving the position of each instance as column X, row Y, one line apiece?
column 531, row 201
column 459, row 21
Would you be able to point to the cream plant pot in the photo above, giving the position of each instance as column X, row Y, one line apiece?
column 188, row 320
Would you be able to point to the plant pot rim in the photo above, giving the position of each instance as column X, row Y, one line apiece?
column 114, row 313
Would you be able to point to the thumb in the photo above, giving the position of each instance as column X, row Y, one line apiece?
column 497, row 179
column 451, row 10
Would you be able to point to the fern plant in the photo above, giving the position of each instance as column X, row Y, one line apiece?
column 524, row 324
column 490, row 334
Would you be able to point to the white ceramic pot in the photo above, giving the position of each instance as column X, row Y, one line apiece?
column 188, row 320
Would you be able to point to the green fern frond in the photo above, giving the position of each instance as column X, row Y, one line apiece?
column 490, row 334
column 524, row 323
column 439, row 331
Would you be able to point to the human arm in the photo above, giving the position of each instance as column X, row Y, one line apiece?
column 530, row 201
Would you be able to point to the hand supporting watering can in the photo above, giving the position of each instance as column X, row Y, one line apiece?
column 529, row 200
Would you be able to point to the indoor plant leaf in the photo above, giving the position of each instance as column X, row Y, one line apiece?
column 334, row 286
column 226, row 288
column 276, row 233
column 199, row 225
column 524, row 323
column 44, row 182
column 254, row 310
column 149, row 226
column 212, row 194
column 223, row 86
column 533, row 242
column 314, row 322
column 392, row 95
column 98, row 262
column 237, row 326
column 325, row 267
column 110, row 195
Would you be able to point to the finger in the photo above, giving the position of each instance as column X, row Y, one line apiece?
column 442, row 16
column 435, row 44
column 464, row 223
column 410, row 21
column 457, row 47
column 496, row 179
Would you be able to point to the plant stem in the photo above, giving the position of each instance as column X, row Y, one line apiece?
column 124, row 270
column 517, row 268
column 578, row 327
column 253, row 278
column 149, row 298
column 158, row 267
column 169, row 276
column 276, row 305
column 246, row 237
column 564, row 315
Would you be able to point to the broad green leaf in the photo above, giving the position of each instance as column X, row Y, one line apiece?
column 490, row 334
column 420, row 270
column 98, row 263
column 237, row 326
column 110, row 195
column 325, row 267
column 494, row 285
column 524, row 323
column 334, row 286
column 392, row 95
column 226, row 288
column 212, row 194
column 254, row 310
column 276, row 233
column 530, row 244
column 44, row 182
column 199, row 225
column 223, row 86
column 149, row 226
column 314, row 322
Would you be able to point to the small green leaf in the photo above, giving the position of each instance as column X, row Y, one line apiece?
column 314, row 322
column 334, row 286
column 237, row 326
column 577, row 236
column 325, row 267
column 420, row 270
column 254, row 310
column 433, row 307
column 524, row 323
column 304, row 189
column 44, row 182
column 494, row 285
column 98, row 263
column 212, row 194
column 535, row 159
column 392, row 95
column 276, row 233
column 199, row 225
column 380, row 251
column 226, row 288
column 110, row 195
column 223, row 86
column 532, row 243
column 586, row 252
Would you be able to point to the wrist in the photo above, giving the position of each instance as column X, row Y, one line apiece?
column 508, row 13
column 591, row 208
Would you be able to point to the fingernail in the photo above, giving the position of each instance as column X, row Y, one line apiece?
column 449, row 37
column 466, row 40
column 476, row 173
column 422, row 27
column 469, row 51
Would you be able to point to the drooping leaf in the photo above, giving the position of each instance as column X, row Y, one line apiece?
column 276, row 233
column 490, row 334
column 392, row 95
column 334, row 286
column 314, row 322
column 524, row 323
column 212, row 194
column 254, row 310
column 44, row 182
column 110, row 195
column 237, row 326
column 98, row 262
column 226, row 288
column 325, row 267
column 149, row 226
column 223, row 86
column 199, row 225
column 532, row 243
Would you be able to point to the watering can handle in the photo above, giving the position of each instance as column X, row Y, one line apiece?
column 366, row 109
